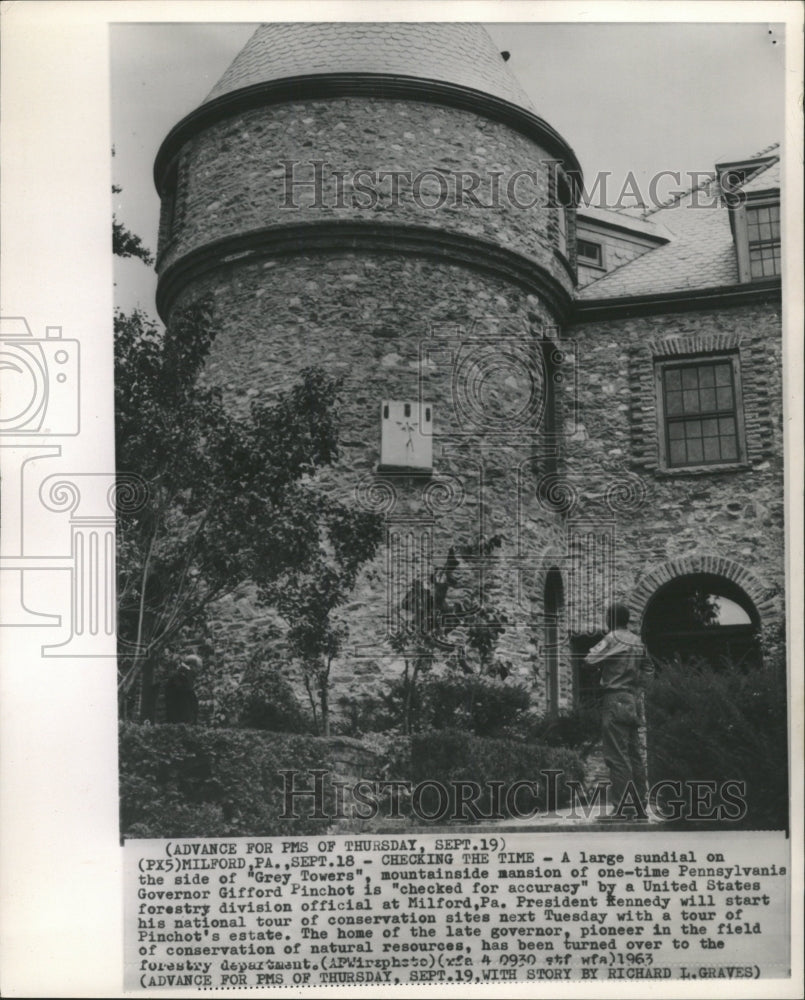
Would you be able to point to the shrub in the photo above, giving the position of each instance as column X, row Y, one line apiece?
column 716, row 725
column 577, row 728
column 401, row 702
column 363, row 713
column 481, row 705
column 188, row 781
column 266, row 700
column 448, row 756
column 393, row 753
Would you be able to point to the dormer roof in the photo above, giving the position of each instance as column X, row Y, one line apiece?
column 701, row 252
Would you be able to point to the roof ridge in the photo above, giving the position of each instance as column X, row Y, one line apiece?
column 764, row 152
column 676, row 198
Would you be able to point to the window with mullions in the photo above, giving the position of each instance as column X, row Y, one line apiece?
column 589, row 253
column 763, row 234
column 701, row 416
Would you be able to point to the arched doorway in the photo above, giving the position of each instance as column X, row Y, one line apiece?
column 702, row 616
column 553, row 606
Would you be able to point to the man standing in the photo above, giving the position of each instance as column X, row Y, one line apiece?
column 625, row 667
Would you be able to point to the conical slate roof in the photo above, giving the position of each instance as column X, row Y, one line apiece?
column 456, row 53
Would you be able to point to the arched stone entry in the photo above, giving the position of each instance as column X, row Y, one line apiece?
column 702, row 607
column 700, row 616
column 759, row 594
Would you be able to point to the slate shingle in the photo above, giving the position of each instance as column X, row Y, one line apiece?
column 701, row 253
column 448, row 52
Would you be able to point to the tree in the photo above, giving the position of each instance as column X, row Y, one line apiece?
column 226, row 499
column 438, row 624
column 264, row 698
column 702, row 608
column 419, row 637
column 309, row 594
column 124, row 242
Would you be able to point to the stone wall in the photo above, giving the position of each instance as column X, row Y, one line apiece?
column 728, row 521
column 231, row 179
column 368, row 319
column 393, row 327
column 585, row 493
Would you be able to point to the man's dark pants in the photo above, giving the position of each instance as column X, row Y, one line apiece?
column 619, row 736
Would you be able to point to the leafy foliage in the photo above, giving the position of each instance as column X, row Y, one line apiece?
column 578, row 728
column 127, row 244
column 188, row 781
column 721, row 724
column 308, row 594
column 265, row 700
column 229, row 499
column 366, row 713
column 124, row 242
column 449, row 756
column 440, row 624
column 485, row 706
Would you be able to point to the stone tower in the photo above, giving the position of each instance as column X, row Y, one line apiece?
column 382, row 200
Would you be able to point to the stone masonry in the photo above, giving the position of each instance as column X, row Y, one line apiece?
column 324, row 195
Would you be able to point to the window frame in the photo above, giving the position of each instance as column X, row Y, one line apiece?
column 764, row 243
column 600, row 264
column 743, row 246
column 664, row 420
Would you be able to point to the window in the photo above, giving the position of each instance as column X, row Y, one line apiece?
column 589, row 254
column 756, row 228
column 763, row 237
column 167, row 213
column 549, row 436
column 754, row 213
column 173, row 204
column 701, row 420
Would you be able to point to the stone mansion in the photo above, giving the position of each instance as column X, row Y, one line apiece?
column 597, row 390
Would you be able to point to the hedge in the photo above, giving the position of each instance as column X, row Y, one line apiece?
column 190, row 781
column 725, row 724
column 481, row 705
column 449, row 756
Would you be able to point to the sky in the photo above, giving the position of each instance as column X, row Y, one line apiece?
column 627, row 97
